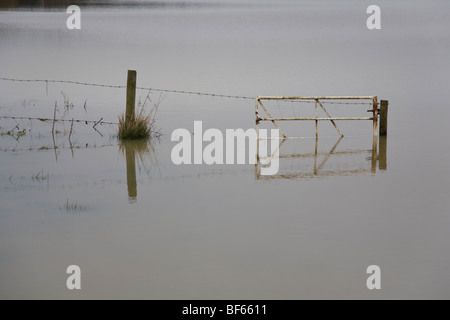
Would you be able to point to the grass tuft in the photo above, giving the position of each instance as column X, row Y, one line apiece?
column 137, row 128
column 143, row 126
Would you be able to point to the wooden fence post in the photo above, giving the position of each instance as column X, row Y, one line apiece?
column 131, row 96
column 383, row 117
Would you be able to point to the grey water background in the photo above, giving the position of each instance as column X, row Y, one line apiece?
column 216, row 232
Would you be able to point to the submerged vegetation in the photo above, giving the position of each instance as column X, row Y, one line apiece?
column 16, row 133
column 40, row 176
column 142, row 125
column 73, row 207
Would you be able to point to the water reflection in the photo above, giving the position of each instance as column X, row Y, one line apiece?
column 374, row 153
column 131, row 149
column 339, row 163
column 382, row 158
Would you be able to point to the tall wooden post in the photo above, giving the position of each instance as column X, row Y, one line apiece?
column 383, row 117
column 131, row 96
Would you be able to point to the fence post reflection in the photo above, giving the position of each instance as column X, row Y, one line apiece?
column 137, row 153
column 374, row 153
column 131, row 172
column 382, row 157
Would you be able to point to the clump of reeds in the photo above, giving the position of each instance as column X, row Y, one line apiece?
column 142, row 126
column 137, row 128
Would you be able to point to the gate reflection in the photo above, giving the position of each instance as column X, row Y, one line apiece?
column 329, row 163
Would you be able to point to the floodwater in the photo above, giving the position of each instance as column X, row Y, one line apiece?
column 141, row 227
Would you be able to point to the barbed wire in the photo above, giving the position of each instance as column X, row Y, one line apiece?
column 60, row 120
column 216, row 95
column 123, row 87
column 63, row 81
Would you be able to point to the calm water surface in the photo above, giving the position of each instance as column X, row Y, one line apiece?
column 141, row 227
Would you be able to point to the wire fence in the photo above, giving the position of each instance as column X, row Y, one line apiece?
column 59, row 143
column 99, row 85
column 217, row 95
